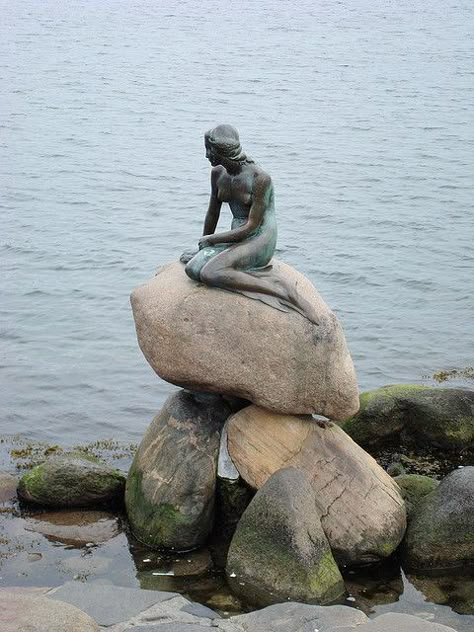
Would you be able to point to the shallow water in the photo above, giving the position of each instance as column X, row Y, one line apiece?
column 49, row 547
column 360, row 111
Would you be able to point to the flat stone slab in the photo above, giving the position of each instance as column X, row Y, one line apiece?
column 392, row 622
column 109, row 604
column 297, row 617
column 27, row 613
column 172, row 627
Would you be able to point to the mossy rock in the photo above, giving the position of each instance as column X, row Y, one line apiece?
column 279, row 550
column 171, row 484
column 427, row 416
column 72, row 480
column 441, row 531
column 414, row 487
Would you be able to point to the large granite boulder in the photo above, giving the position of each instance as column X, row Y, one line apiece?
column 279, row 550
column 171, row 484
column 72, row 480
column 441, row 531
column 362, row 512
column 442, row 417
column 213, row 340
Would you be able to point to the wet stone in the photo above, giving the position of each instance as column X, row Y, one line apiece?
column 8, row 485
column 109, row 604
column 75, row 528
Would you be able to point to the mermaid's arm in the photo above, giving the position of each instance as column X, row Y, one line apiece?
column 214, row 209
column 261, row 199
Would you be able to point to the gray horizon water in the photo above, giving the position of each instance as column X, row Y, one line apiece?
column 362, row 114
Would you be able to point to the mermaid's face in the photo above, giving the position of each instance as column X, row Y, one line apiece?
column 212, row 155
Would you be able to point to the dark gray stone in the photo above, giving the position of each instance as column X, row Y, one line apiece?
column 279, row 549
column 440, row 533
column 109, row 604
column 442, row 417
column 171, row 485
column 72, row 480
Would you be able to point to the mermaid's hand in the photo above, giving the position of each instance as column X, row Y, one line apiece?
column 205, row 242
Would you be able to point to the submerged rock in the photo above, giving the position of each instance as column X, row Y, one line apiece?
column 428, row 416
column 440, row 533
column 414, row 487
column 213, row 340
column 362, row 512
column 72, row 480
column 75, row 528
column 279, row 550
column 171, row 484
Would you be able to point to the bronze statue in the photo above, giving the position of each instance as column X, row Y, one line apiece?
column 238, row 260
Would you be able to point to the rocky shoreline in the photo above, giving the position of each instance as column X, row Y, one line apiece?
column 78, row 607
column 439, row 513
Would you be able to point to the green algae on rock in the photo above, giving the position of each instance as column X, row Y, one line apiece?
column 171, row 485
column 72, row 480
column 427, row 416
column 279, row 550
column 441, row 531
column 413, row 488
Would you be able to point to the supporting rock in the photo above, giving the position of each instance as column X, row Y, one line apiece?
column 279, row 550
column 362, row 511
column 171, row 484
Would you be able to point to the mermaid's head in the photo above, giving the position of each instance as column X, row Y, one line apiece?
column 223, row 142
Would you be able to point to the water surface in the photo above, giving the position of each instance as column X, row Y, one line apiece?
column 360, row 111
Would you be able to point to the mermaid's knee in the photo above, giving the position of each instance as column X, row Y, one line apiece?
column 212, row 274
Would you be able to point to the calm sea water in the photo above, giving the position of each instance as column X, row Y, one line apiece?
column 362, row 113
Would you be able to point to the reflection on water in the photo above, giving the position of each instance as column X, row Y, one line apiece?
column 50, row 548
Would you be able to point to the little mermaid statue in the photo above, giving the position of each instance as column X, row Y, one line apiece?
column 239, row 259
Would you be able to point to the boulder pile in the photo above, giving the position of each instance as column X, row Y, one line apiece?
column 254, row 376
